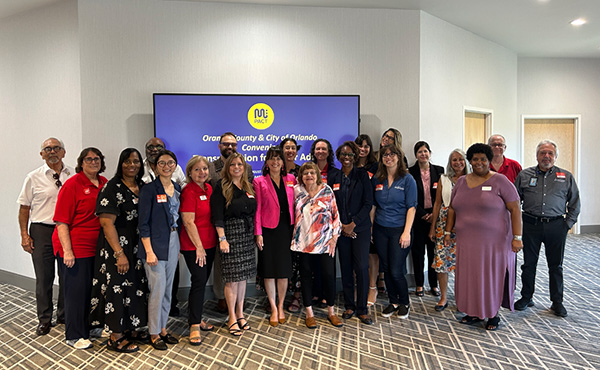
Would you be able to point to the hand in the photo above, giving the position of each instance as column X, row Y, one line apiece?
column 151, row 259
column 348, row 229
column 200, row 257
column 427, row 217
column 27, row 243
column 331, row 245
column 69, row 259
column 517, row 245
column 405, row 239
column 259, row 242
column 432, row 233
column 122, row 264
column 446, row 240
column 224, row 246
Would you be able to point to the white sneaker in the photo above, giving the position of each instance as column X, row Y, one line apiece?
column 79, row 343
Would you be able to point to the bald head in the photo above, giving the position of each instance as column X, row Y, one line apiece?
column 153, row 147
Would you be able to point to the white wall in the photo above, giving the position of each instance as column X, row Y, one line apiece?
column 459, row 68
column 39, row 97
column 568, row 86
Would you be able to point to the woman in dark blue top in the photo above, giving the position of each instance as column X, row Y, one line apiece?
column 393, row 215
column 354, row 198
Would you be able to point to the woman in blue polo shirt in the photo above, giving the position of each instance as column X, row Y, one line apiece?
column 393, row 214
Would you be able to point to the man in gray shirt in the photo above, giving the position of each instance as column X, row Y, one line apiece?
column 550, row 208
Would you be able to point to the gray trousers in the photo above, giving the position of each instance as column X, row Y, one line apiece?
column 160, row 283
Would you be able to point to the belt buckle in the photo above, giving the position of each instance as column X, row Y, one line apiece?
column 545, row 219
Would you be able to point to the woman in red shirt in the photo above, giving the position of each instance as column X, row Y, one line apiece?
column 74, row 239
column 198, row 241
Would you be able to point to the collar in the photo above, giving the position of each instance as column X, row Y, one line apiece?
column 64, row 169
column 540, row 172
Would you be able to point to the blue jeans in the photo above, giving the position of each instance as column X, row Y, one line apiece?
column 392, row 260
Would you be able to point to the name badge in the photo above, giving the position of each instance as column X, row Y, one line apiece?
column 435, row 185
column 86, row 191
column 486, row 188
column 203, row 197
column 321, row 204
column 561, row 175
column 250, row 195
column 135, row 200
column 533, row 181
column 379, row 187
column 161, row 198
column 289, row 184
column 336, row 187
column 324, row 180
column 370, row 175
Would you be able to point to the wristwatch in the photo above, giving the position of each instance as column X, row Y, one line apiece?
column 518, row 237
column 222, row 238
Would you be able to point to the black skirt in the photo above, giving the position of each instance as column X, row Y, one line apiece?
column 240, row 263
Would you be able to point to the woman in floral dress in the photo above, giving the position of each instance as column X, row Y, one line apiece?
column 120, row 285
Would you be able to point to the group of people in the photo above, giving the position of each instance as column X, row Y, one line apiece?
column 117, row 242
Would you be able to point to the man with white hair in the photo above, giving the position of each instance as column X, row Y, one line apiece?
column 36, row 210
column 506, row 166
column 551, row 206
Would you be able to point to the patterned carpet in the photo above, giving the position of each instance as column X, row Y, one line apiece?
column 532, row 339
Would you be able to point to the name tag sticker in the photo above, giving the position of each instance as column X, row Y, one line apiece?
column 135, row 200
column 203, row 197
column 250, row 195
column 289, row 184
column 561, row 175
column 435, row 185
column 336, row 187
column 486, row 188
column 533, row 181
column 379, row 187
column 86, row 191
column 321, row 204
column 161, row 198
column 370, row 175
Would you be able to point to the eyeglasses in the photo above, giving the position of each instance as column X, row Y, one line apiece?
column 233, row 145
column 49, row 149
column 389, row 154
column 56, row 177
column 166, row 163
column 155, row 147
column 389, row 137
column 498, row 145
column 89, row 160
column 347, row 155
column 129, row 162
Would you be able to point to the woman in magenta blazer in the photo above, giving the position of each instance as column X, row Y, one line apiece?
column 273, row 228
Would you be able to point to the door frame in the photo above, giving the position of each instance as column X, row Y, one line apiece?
column 489, row 120
column 576, row 147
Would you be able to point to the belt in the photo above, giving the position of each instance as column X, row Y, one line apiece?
column 41, row 224
column 527, row 217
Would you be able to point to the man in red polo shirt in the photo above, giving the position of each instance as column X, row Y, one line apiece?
column 506, row 166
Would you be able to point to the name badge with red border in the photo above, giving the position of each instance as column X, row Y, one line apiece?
column 203, row 197
column 86, row 191
column 161, row 198
column 379, row 187
column 250, row 195
column 336, row 187
column 370, row 175
column 289, row 184
column 135, row 200
column 561, row 175
column 435, row 185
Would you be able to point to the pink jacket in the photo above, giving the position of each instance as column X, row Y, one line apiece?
column 267, row 211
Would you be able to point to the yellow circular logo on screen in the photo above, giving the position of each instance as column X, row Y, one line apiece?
column 260, row 116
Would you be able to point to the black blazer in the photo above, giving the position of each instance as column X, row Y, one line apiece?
column 434, row 174
column 361, row 196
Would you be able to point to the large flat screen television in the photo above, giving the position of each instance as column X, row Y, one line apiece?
column 192, row 123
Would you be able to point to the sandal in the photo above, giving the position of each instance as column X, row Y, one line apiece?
column 204, row 326
column 245, row 326
column 121, row 345
column 195, row 339
column 493, row 323
column 420, row 293
column 235, row 332
column 372, row 298
column 470, row 320
column 294, row 307
column 139, row 336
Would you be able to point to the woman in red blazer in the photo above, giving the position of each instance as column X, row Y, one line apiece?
column 273, row 228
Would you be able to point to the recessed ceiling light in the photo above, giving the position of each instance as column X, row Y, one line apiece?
column 578, row 22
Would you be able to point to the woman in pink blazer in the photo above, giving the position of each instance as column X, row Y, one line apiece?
column 273, row 228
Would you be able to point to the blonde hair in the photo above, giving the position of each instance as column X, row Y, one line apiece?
column 193, row 162
column 227, row 180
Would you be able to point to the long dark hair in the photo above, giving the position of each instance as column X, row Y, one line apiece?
column 274, row 151
column 125, row 154
column 401, row 171
column 371, row 158
column 330, row 163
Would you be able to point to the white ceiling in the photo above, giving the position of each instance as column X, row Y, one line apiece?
column 535, row 28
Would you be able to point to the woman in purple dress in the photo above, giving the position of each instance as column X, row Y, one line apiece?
column 486, row 210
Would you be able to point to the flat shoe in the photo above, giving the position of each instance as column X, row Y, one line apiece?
column 159, row 344
column 206, row 327
column 365, row 319
column 470, row 320
column 493, row 324
column 348, row 314
column 310, row 322
column 195, row 338
column 419, row 293
column 440, row 308
column 119, row 346
column 168, row 338
column 335, row 321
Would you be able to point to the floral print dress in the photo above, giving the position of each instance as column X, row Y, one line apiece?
column 119, row 302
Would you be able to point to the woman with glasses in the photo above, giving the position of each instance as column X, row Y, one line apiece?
column 159, row 245
column 120, row 285
column 354, row 198
column 74, row 240
column 393, row 215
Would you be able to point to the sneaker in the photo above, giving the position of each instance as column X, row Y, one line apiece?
column 559, row 309
column 79, row 343
column 523, row 303
column 389, row 310
column 403, row 311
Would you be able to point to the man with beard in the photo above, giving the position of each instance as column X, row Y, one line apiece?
column 506, row 166
column 37, row 202
column 227, row 145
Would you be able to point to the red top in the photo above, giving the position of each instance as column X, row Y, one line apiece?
column 510, row 168
column 197, row 201
column 75, row 207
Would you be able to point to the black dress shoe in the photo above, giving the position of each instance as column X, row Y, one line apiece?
column 168, row 338
column 523, row 303
column 440, row 308
column 43, row 328
column 365, row 319
column 559, row 309
column 348, row 314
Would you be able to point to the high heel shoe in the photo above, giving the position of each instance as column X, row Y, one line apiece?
column 372, row 298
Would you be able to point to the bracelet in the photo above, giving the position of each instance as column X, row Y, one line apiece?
column 222, row 238
column 447, row 233
column 118, row 253
column 518, row 237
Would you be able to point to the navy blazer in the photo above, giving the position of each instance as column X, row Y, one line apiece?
column 435, row 172
column 155, row 219
column 361, row 196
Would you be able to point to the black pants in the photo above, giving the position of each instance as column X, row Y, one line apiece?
column 554, row 235
column 78, row 293
column 392, row 259
column 199, row 278
column 43, row 264
column 354, row 259
column 422, row 243
column 327, row 277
